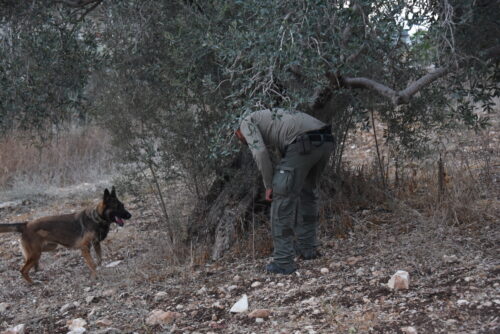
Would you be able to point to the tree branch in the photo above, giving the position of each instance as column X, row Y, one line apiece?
column 397, row 97
column 78, row 3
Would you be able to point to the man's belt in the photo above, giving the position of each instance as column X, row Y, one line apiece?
column 323, row 137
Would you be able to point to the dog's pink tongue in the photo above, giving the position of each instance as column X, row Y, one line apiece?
column 119, row 220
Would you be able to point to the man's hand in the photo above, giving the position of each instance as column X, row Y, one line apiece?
column 269, row 195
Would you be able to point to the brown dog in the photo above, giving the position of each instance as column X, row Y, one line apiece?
column 76, row 230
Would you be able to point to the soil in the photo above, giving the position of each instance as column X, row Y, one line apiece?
column 454, row 282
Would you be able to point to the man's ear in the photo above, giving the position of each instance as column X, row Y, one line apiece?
column 106, row 194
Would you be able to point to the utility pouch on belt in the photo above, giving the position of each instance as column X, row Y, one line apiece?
column 304, row 144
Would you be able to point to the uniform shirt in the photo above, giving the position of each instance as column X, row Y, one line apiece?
column 276, row 128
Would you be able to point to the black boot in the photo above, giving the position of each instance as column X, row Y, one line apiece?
column 309, row 254
column 275, row 268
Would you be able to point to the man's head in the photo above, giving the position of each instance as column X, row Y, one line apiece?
column 240, row 136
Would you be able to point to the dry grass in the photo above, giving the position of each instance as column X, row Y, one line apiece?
column 74, row 156
column 419, row 218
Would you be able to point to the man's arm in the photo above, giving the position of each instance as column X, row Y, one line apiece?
column 260, row 153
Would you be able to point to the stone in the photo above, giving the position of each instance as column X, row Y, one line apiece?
column 66, row 307
column 324, row 270
column 78, row 330
column 241, row 305
column 409, row 330
column 256, row 284
column 19, row 329
column 399, row 281
column 353, row 260
column 462, row 302
column 450, row 258
column 76, row 324
column 109, row 292
column 260, row 313
column 113, row 264
column 110, row 330
column 4, row 307
column 104, row 322
column 160, row 317
column 160, row 296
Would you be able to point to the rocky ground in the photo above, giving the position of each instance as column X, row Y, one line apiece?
column 454, row 282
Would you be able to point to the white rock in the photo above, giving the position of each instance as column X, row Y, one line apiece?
column 241, row 305
column 256, row 284
column 237, row 278
column 259, row 320
column 450, row 258
column 66, row 307
column 4, row 307
column 201, row 291
column 109, row 292
column 78, row 330
column 232, row 287
column 218, row 305
column 19, row 329
column 399, row 281
column 409, row 330
column 162, row 295
column 462, row 302
column 113, row 264
column 324, row 270
column 76, row 323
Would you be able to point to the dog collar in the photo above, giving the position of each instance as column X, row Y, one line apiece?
column 96, row 217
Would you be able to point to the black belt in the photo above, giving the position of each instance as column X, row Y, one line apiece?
column 324, row 137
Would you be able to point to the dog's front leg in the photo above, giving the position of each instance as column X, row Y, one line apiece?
column 98, row 252
column 88, row 259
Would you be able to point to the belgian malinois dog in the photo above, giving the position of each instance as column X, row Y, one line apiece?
column 80, row 230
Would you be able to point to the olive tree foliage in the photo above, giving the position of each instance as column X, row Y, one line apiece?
column 341, row 60
column 47, row 51
column 153, row 96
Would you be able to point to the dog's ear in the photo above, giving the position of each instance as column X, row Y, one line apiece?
column 113, row 192
column 106, row 195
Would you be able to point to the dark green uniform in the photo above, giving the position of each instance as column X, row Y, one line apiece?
column 306, row 147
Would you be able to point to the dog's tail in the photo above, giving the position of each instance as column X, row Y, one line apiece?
column 14, row 227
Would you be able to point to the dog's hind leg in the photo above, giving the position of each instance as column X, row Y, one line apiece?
column 32, row 255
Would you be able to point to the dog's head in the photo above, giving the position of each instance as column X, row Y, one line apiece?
column 112, row 209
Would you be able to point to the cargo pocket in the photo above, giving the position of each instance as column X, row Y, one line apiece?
column 283, row 180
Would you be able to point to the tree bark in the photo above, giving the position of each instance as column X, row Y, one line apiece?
column 216, row 219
